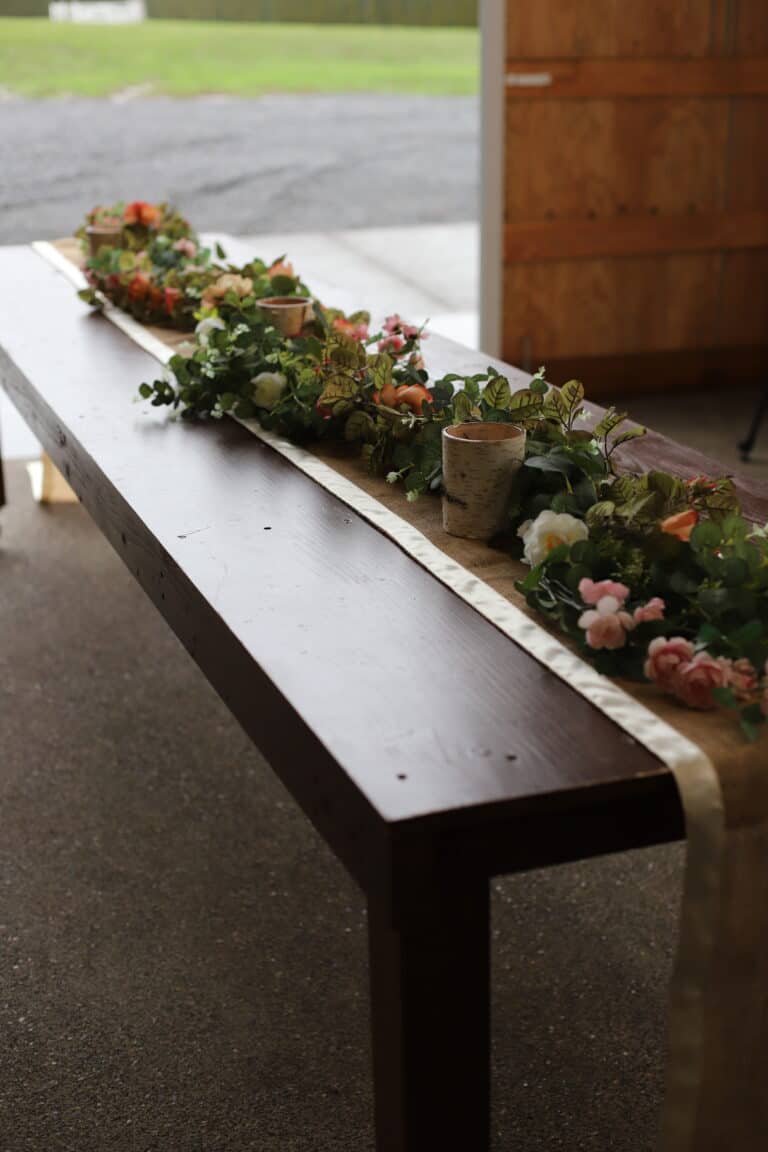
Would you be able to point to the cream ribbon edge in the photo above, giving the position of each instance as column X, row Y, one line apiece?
column 693, row 770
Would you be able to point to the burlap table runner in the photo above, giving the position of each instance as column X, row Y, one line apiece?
column 718, row 1027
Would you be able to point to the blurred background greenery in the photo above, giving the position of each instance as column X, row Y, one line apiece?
column 429, row 12
column 188, row 58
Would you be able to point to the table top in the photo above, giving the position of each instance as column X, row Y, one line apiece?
column 392, row 710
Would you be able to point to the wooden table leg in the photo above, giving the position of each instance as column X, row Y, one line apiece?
column 430, row 1003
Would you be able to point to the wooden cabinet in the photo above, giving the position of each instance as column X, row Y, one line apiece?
column 631, row 150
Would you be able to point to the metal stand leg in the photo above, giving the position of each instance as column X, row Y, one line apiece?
column 430, row 1001
column 746, row 446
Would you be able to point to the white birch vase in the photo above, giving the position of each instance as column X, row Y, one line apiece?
column 479, row 466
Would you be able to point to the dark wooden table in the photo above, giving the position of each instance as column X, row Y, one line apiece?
column 429, row 751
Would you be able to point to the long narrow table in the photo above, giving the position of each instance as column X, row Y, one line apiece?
column 429, row 751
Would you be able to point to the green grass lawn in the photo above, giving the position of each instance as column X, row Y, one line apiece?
column 186, row 58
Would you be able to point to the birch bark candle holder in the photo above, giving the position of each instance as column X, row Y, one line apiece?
column 287, row 313
column 479, row 466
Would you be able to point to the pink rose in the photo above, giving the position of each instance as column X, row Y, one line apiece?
column 591, row 592
column 694, row 681
column 393, row 344
column 664, row 659
column 653, row 610
column 349, row 328
column 742, row 677
column 393, row 324
column 606, row 625
column 188, row 247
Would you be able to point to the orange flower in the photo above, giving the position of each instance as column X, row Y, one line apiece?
column 139, row 286
column 156, row 296
column 681, row 524
column 139, row 212
column 171, row 298
column 415, row 396
column 281, row 268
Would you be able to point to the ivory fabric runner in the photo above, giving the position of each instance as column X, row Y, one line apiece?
column 718, row 1027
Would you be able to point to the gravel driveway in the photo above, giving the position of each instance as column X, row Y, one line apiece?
column 278, row 163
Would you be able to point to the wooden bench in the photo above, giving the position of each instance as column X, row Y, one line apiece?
column 426, row 775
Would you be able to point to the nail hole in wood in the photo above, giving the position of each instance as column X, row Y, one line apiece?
column 402, row 776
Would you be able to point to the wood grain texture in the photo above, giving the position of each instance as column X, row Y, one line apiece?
column 557, row 240
column 636, row 187
column 624, row 306
column 610, row 28
column 385, row 704
column 590, row 78
column 609, row 160
column 611, row 377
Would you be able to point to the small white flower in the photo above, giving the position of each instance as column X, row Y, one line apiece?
column 205, row 327
column 268, row 389
column 548, row 531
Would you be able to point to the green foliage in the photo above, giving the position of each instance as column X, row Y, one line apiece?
column 660, row 536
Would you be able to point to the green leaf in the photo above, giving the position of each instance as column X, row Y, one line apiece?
column 611, row 420
column 360, row 426
column 380, row 368
column 712, row 600
column 749, row 730
column 600, row 512
column 245, row 409
column 339, row 387
column 462, row 408
column 573, row 394
column 734, row 571
column 753, row 714
column 706, row 535
column 629, row 434
column 525, row 405
column 747, row 635
column 145, row 390
column 552, row 462
column 725, row 697
column 497, row 393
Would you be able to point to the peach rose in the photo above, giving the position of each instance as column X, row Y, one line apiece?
column 281, row 268
column 693, row 682
column 605, row 624
column 653, row 610
column 228, row 282
column 664, row 659
column 591, row 591
column 681, row 524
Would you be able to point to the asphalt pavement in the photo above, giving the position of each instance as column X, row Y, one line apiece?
column 279, row 163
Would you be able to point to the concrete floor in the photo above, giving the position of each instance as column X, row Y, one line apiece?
column 184, row 962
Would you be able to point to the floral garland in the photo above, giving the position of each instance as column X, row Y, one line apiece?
column 652, row 577
column 155, row 268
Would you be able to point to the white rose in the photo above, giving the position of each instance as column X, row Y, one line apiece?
column 205, row 327
column 547, row 531
column 268, row 389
